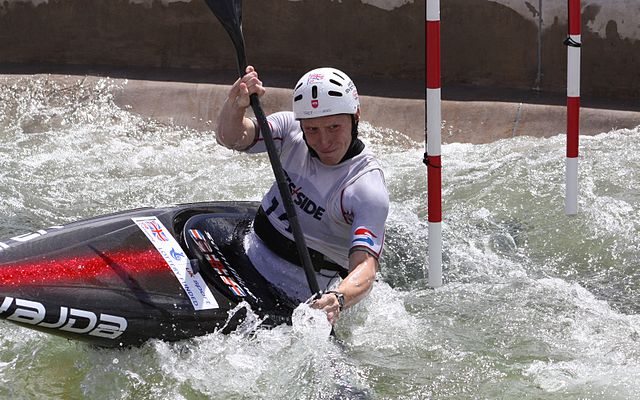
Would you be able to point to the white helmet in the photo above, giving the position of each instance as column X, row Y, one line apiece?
column 322, row 92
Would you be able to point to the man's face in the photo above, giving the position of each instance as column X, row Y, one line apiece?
column 329, row 136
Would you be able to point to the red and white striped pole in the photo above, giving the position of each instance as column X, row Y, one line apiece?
column 573, row 43
column 433, row 139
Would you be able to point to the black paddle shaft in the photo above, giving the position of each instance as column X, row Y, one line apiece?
column 229, row 12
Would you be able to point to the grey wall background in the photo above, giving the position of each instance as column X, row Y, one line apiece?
column 484, row 43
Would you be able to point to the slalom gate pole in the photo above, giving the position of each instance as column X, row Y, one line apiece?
column 433, row 138
column 573, row 43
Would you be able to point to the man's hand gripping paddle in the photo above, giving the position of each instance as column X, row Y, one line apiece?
column 229, row 12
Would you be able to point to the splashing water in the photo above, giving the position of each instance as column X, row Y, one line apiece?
column 310, row 323
column 535, row 304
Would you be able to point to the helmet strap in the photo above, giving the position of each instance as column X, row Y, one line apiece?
column 356, row 145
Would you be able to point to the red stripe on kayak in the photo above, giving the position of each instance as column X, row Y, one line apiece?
column 82, row 269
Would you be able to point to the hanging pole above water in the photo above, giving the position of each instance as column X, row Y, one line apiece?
column 433, row 139
column 573, row 43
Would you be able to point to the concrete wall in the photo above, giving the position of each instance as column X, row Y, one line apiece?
column 179, row 60
column 602, row 16
column 281, row 35
column 496, row 43
column 489, row 43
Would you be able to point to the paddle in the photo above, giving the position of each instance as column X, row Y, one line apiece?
column 229, row 12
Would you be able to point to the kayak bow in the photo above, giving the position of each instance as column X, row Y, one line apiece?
column 168, row 273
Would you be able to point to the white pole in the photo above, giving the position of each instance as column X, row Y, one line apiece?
column 433, row 132
column 573, row 42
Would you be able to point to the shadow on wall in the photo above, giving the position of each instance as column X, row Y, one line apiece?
column 488, row 44
column 281, row 35
column 609, row 65
column 483, row 43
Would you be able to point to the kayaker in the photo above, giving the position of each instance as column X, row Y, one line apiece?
column 337, row 187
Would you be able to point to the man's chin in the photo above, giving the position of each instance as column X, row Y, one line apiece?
column 329, row 159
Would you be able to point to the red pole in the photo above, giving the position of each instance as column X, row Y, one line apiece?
column 433, row 140
column 573, row 43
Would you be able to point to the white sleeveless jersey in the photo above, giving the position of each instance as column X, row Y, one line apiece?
column 340, row 207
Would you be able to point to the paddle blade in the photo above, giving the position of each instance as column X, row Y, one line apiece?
column 229, row 12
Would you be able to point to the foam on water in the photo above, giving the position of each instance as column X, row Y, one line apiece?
column 535, row 304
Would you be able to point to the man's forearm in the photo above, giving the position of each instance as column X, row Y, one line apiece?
column 234, row 130
column 359, row 282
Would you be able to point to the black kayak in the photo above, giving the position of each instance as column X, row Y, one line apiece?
column 168, row 273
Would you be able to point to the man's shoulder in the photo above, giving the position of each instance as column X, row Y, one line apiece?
column 285, row 123
column 282, row 117
column 366, row 161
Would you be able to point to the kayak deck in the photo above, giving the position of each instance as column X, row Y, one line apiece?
column 103, row 281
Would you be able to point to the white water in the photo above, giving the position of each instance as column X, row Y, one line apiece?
column 535, row 304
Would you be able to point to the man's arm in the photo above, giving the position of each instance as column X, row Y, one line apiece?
column 367, row 200
column 355, row 287
column 234, row 130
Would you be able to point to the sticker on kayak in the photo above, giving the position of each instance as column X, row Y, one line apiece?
column 26, row 237
column 193, row 284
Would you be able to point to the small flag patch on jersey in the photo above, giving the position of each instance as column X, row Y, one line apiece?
column 363, row 235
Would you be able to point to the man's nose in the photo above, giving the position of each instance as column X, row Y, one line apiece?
column 325, row 138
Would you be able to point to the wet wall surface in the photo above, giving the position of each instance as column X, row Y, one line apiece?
column 491, row 85
column 484, row 43
column 490, row 44
column 280, row 35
